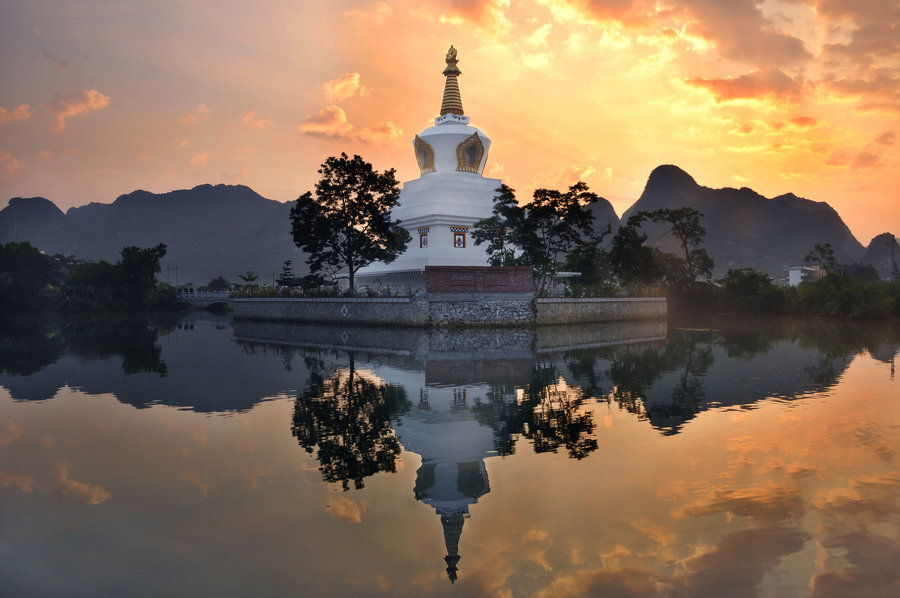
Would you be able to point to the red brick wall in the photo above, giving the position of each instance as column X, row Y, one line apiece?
column 478, row 279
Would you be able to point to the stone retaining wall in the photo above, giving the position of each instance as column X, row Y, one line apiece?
column 402, row 311
column 553, row 310
column 445, row 310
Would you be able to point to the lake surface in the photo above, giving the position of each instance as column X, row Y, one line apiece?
column 194, row 456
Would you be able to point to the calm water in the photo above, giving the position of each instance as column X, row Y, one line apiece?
column 195, row 457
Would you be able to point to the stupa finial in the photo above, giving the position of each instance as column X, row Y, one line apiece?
column 452, row 102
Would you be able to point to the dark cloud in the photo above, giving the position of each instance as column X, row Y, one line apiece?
column 743, row 34
column 864, row 160
column 859, row 11
column 57, row 60
column 878, row 89
column 867, row 43
column 771, row 82
column 886, row 138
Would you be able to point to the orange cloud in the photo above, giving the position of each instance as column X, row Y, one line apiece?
column 9, row 164
column 771, row 82
column 487, row 14
column 378, row 13
column 257, row 123
column 804, row 122
column 65, row 107
column 20, row 112
column 330, row 123
column 201, row 111
column 344, row 87
column 92, row 494
column 199, row 160
column 386, row 131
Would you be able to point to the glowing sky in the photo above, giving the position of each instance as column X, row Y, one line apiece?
column 99, row 98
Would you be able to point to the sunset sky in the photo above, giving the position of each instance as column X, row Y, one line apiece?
column 99, row 98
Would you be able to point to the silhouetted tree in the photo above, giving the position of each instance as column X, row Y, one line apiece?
column 633, row 262
column 542, row 233
column 824, row 256
column 138, row 270
column 219, row 283
column 347, row 225
column 249, row 280
column 685, row 226
column 24, row 273
column 286, row 278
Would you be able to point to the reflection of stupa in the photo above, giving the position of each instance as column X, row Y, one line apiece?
column 450, row 195
column 442, row 429
column 453, row 446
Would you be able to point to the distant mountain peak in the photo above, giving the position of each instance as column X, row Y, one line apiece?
column 669, row 176
column 33, row 203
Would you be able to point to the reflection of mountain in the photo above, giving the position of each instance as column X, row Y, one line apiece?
column 193, row 363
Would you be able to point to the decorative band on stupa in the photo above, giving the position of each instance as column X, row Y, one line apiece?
column 452, row 102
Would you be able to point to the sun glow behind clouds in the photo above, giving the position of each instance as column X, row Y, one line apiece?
column 800, row 95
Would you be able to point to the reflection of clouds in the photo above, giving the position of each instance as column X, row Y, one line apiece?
column 764, row 505
column 25, row 483
column 861, row 537
column 735, row 567
column 344, row 508
column 92, row 494
column 871, row 569
column 254, row 475
column 869, row 498
column 201, row 482
column 611, row 583
column 9, row 433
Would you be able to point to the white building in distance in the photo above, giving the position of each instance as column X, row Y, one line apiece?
column 450, row 195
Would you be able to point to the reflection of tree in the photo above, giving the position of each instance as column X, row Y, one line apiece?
column 27, row 345
column 134, row 339
column 548, row 412
column 634, row 371
column 347, row 416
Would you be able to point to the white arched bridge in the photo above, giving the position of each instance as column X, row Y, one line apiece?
column 205, row 299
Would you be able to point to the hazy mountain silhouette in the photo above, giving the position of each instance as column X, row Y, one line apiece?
column 604, row 216
column 884, row 254
column 745, row 229
column 209, row 230
column 229, row 229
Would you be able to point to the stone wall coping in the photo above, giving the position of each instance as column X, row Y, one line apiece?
column 480, row 297
column 324, row 299
column 597, row 299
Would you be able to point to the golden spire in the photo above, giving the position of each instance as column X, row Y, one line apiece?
column 452, row 102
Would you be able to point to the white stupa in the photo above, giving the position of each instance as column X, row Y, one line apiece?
column 450, row 195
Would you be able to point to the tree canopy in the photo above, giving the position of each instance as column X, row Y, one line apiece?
column 541, row 233
column 346, row 225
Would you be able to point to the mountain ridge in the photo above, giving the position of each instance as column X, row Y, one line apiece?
column 218, row 229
